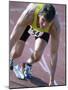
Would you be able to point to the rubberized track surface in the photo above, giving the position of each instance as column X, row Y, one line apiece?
column 40, row 70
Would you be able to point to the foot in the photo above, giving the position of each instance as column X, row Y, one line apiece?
column 27, row 70
column 18, row 72
column 23, row 73
column 51, row 83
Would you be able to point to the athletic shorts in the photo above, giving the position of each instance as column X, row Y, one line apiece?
column 28, row 31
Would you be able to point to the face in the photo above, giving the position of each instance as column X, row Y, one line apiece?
column 42, row 22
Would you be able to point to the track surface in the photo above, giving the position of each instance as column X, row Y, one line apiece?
column 40, row 70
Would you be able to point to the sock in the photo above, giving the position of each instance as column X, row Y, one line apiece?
column 30, row 61
column 26, row 64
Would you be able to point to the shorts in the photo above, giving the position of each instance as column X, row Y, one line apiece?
column 26, row 34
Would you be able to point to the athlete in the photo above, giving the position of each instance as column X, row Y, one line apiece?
column 41, row 21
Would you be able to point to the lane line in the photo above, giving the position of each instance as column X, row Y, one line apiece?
column 45, row 69
column 45, row 64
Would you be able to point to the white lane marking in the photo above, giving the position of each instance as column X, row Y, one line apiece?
column 45, row 64
column 31, row 50
column 46, row 69
column 43, row 67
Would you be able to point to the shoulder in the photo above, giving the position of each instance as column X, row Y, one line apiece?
column 56, row 21
column 27, row 14
column 31, row 7
column 55, row 27
column 29, row 11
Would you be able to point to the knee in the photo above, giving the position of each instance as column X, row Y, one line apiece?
column 17, row 49
column 15, row 53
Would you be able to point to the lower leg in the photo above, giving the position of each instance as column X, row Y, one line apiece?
column 16, row 52
column 27, row 67
column 34, row 58
column 12, row 57
column 39, row 47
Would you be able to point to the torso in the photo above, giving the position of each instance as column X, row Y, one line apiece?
column 35, row 24
column 55, row 24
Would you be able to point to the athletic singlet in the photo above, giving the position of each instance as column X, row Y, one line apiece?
column 34, row 24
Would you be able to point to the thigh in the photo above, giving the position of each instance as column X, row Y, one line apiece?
column 55, row 42
column 41, row 42
column 25, row 34
column 18, row 47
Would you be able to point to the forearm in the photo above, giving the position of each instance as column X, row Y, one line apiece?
column 53, row 64
column 54, row 55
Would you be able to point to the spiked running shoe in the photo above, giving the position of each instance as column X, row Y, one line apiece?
column 27, row 71
column 23, row 73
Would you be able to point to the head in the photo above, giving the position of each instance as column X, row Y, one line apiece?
column 46, row 15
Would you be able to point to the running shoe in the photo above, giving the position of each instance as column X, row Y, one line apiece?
column 27, row 71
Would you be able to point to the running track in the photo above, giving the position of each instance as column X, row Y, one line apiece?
column 40, row 70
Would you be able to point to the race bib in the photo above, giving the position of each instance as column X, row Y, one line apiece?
column 35, row 33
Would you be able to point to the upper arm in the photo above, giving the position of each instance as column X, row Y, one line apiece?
column 27, row 15
column 55, row 36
